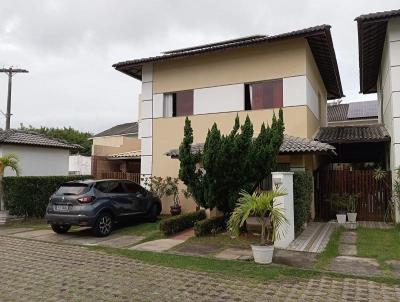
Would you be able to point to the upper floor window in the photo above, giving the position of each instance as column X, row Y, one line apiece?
column 178, row 103
column 264, row 95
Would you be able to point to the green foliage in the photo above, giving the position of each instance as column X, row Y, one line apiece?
column 28, row 196
column 230, row 163
column 69, row 135
column 180, row 223
column 343, row 202
column 260, row 205
column 210, row 226
column 302, row 194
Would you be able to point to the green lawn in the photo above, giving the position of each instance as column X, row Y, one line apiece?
column 379, row 244
column 231, row 268
column 150, row 230
column 331, row 250
column 222, row 241
column 35, row 223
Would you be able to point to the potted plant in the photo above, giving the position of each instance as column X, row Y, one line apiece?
column 339, row 203
column 260, row 205
column 352, row 207
column 171, row 189
column 11, row 161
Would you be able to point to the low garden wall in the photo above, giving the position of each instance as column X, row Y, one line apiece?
column 28, row 196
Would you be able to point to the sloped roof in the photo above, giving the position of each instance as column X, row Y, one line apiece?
column 319, row 38
column 19, row 137
column 353, row 111
column 122, row 129
column 371, row 38
column 290, row 145
column 126, row 155
column 353, row 134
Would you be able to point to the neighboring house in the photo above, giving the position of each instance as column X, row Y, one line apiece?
column 80, row 165
column 38, row 155
column 379, row 59
column 116, row 152
column 353, row 114
column 254, row 76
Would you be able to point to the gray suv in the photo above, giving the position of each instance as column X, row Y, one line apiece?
column 100, row 204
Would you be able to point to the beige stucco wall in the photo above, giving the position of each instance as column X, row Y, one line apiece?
column 168, row 134
column 248, row 64
column 107, row 145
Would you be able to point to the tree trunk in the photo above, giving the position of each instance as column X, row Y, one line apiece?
column 2, row 206
column 263, row 231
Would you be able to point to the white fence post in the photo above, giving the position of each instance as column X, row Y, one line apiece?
column 285, row 181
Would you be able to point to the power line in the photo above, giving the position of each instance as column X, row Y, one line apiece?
column 10, row 72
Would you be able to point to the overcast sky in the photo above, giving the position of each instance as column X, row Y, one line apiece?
column 69, row 46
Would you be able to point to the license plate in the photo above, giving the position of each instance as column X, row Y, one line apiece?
column 61, row 208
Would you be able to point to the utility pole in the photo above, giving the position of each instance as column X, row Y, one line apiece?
column 10, row 72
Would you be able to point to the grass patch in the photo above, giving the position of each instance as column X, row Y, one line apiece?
column 331, row 250
column 223, row 241
column 149, row 230
column 232, row 268
column 35, row 223
column 379, row 244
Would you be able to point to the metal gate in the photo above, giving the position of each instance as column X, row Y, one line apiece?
column 373, row 194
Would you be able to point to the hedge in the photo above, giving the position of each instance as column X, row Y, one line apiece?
column 182, row 222
column 210, row 226
column 28, row 196
column 302, row 191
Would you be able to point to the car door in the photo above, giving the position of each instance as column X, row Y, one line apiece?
column 120, row 199
column 137, row 197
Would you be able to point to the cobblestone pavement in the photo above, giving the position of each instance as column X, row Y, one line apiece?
column 38, row 271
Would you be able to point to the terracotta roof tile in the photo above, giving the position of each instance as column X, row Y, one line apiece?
column 353, row 134
column 290, row 145
column 20, row 137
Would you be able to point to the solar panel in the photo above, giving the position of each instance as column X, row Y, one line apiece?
column 358, row 110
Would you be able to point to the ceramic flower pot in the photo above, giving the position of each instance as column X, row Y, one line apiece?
column 262, row 253
column 341, row 218
column 352, row 217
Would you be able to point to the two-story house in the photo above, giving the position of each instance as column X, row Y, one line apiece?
column 379, row 59
column 255, row 75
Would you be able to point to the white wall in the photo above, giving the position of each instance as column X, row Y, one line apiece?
column 38, row 161
column 80, row 165
column 218, row 99
column 298, row 91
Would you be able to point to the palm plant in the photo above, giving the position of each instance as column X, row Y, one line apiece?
column 271, row 216
column 11, row 161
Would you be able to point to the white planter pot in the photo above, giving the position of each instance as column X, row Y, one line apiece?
column 263, row 253
column 3, row 217
column 341, row 218
column 352, row 217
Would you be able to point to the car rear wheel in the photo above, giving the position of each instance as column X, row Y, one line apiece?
column 103, row 225
column 60, row 228
column 153, row 213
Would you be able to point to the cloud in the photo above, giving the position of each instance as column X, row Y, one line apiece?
column 69, row 47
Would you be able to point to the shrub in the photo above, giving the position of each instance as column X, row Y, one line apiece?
column 181, row 222
column 210, row 226
column 28, row 196
column 302, row 191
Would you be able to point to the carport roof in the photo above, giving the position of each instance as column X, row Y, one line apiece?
column 353, row 134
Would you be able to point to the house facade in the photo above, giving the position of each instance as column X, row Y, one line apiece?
column 379, row 57
column 116, row 152
column 37, row 154
column 252, row 76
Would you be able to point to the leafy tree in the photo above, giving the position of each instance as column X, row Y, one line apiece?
column 69, row 135
column 230, row 163
column 11, row 161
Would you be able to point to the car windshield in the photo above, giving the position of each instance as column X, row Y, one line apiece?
column 72, row 189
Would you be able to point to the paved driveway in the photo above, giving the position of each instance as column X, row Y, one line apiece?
column 38, row 271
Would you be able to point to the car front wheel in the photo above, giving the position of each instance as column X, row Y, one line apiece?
column 60, row 228
column 103, row 225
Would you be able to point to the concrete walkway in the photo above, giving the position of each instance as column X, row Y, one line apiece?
column 314, row 238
